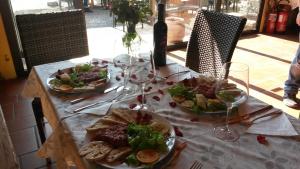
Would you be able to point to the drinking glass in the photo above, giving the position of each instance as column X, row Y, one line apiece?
column 142, row 73
column 232, row 88
column 124, row 61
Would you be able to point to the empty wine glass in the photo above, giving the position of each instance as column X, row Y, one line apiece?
column 142, row 73
column 232, row 88
column 124, row 61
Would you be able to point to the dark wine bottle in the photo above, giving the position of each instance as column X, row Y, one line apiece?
column 160, row 37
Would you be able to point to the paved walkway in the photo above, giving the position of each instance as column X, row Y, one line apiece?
column 98, row 18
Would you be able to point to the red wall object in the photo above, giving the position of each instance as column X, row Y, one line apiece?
column 271, row 23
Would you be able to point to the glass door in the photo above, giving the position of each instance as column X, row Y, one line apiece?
column 180, row 14
column 20, row 6
column 249, row 9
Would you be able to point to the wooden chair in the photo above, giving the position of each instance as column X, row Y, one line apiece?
column 51, row 37
column 212, row 41
column 8, row 157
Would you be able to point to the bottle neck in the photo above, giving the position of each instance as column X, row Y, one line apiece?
column 161, row 12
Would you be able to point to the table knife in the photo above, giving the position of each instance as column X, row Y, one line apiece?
column 172, row 74
column 251, row 121
column 252, row 114
column 177, row 73
column 83, row 98
column 96, row 103
column 257, row 112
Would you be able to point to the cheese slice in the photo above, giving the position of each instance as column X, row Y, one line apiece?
column 201, row 101
column 117, row 154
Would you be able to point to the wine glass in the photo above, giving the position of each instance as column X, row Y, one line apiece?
column 142, row 73
column 232, row 88
column 124, row 61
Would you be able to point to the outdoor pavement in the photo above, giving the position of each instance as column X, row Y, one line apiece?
column 98, row 17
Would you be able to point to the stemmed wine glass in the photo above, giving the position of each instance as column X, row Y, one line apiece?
column 124, row 61
column 232, row 88
column 142, row 73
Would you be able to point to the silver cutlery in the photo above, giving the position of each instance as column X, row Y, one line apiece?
column 172, row 74
column 76, row 113
column 177, row 73
column 94, row 104
column 196, row 165
column 251, row 121
column 78, row 100
column 247, row 116
column 83, row 98
column 257, row 112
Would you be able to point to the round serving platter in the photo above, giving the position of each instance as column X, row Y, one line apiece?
column 164, row 158
column 203, row 85
column 83, row 89
column 217, row 112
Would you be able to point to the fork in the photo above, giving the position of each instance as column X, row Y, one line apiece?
column 196, row 165
column 245, row 117
column 251, row 121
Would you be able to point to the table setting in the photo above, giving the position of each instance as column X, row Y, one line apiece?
column 202, row 120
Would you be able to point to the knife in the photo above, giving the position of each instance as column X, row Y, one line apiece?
column 257, row 112
column 251, row 121
column 83, row 98
column 96, row 103
column 172, row 74
column 252, row 114
column 177, row 73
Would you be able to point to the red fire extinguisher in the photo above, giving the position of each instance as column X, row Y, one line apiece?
column 282, row 18
column 271, row 23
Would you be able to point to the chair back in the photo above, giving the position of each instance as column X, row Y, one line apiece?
column 51, row 37
column 212, row 41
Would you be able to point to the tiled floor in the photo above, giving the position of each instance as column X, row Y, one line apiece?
column 21, row 124
column 268, row 57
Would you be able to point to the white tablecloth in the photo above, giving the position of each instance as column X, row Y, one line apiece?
column 246, row 153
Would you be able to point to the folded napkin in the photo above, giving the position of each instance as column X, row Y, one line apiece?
column 99, row 110
column 274, row 126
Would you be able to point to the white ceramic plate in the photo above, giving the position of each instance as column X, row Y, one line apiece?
column 164, row 158
column 85, row 88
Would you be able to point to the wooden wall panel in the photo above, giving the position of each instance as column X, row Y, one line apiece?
column 7, row 69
